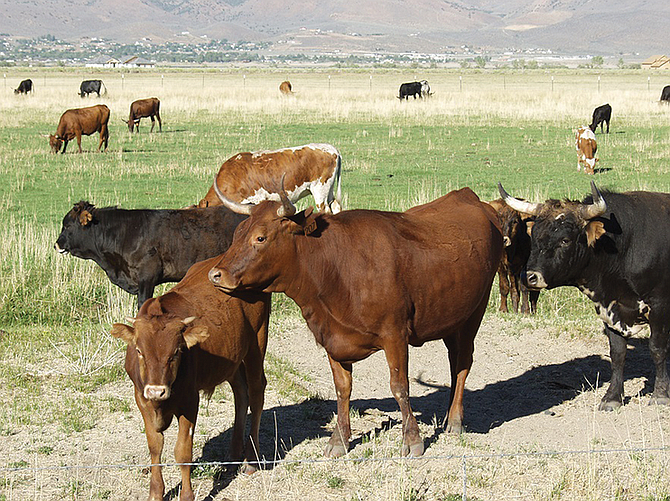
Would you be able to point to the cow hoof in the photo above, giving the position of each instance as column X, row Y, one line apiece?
column 414, row 450
column 455, row 428
column 664, row 400
column 609, row 405
column 248, row 469
column 334, row 451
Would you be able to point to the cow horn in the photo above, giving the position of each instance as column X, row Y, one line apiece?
column 597, row 208
column 287, row 208
column 519, row 205
column 234, row 206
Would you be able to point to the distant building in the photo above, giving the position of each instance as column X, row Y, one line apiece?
column 121, row 62
column 661, row 62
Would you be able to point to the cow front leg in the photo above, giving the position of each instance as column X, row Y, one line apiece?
column 614, row 396
column 397, row 358
column 256, row 383
column 155, row 441
column 183, row 454
column 64, row 146
column 460, row 362
column 503, row 284
column 658, row 346
column 339, row 440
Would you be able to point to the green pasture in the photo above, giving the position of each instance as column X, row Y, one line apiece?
column 477, row 129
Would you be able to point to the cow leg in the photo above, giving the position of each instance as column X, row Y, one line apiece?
column 64, row 146
column 503, row 283
column 339, row 440
column 79, row 141
column 256, row 382
column 155, row 441
column 153, row 124
column 658, row 346
column 514, row 290
column 533, row 296
column 241, row 396
column 160, row 124
column 614, row 396
column 104, row 137
column 183, row 451
column 397, row 359
column 608, row 126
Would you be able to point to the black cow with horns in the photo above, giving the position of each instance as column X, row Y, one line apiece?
column 614, row 248
column 139, row 249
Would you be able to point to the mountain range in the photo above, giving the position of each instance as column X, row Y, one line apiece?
column 597, row 27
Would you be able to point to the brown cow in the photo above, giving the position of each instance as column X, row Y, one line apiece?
column 516, row 242
column 585, row 142
column 144, row 108
column 81, row 121
column 369, row 280
column 193, row 338
column 253, row 177
column 286, row 88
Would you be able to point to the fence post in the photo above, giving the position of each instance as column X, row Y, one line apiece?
column 5, row 77
column 460, row 83
column 244, row 81
column 162, row 80
column 552, row 83
column 598, row 84
column 328, row 83
column 648, row 84
column 370, row 83
column 123, row 80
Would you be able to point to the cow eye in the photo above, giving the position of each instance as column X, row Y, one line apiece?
column 139, row 353
column 565, row 242
column 260, row 239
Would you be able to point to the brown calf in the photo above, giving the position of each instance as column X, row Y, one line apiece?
column 369, row 280
column 144, row 108
column 193, row 338
column 585, row 142
column 81, row 121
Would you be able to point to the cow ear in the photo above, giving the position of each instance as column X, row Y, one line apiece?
column 305, row 221
column 124, row 332
column 594, row 230
column 195, row 335
column 85, row 217
column 529, row 227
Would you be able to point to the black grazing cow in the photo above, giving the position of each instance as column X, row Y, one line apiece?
column 89, row 86
column 665, row 94
column 139, row 249
column 410, row 89
column 614, row 248
column 24, row 87
column 601, row 114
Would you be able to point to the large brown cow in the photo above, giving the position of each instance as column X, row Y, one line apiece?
column 145, row 108
column 81, row 121
column 402, row 279
column 190, row 339
column 253, row 177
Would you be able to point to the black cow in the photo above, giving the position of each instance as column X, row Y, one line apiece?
column 665, row 94
column 614, row 248
column 139, row 249
column 24, row 87
column 601, row 114
column 410, row 89
column 90, row 86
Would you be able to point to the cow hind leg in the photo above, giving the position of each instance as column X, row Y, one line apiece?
column 658, row 346
column 503, row 283
column 241, row 396
column 614, row 395
column 339, row 440
column 256, row 383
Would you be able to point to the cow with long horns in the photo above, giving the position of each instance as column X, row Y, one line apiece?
column 406, row 278
column 614, row 248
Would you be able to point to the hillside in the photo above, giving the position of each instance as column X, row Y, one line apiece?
column 594, row 27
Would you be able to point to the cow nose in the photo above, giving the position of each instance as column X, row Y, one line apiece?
column 215, row 276
column 531, row 278
column 156, row 392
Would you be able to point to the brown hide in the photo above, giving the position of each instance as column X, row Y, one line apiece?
column 586, row 149
column 516, row 249
column 285, row 87
column 369, row 280
column 81, row 121
column 242, row 175
column 145, row 108
column 193, row 338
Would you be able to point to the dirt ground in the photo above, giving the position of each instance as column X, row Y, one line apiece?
column 530, row 413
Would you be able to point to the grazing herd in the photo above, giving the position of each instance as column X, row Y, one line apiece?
column 365, row 280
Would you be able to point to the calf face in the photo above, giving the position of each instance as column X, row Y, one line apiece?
column 55, row 143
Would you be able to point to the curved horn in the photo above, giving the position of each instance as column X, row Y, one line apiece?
column 597, row 208
column 519, row 205
column 234, row 206
column 287, row 208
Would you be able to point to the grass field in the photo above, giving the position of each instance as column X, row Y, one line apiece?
column 56, row 357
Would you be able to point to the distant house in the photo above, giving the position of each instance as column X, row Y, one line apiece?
column 661, row 62
column 120, row 62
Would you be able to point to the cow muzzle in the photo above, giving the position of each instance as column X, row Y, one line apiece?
column 534, row 280
column 221, row 280
column 156, row 392
column 60, row 249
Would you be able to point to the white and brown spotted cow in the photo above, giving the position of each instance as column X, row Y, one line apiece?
column 252, row 177
column 585, row 142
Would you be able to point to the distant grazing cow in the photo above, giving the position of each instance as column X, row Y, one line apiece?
column 81, row 121
column 665, row 94
column 89, row 86
column 144, row 108
column 585, row 142
column 368, row 280
column 600, row 115
column 285, row 88
column 516, row 242
column 24, row 87
column 192, row 339
column 614, row 248
column 410, row 89
column 252, row 177
column 425, row 89
column 139, row 249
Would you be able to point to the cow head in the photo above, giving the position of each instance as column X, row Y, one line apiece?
column 263, row 245
column 55, row 142
column 562, row 235
column 158, row 341
column 74, row 223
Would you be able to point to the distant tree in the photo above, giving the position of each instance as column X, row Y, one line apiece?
column 621, row 65
column 597, row 61
column 480, row 61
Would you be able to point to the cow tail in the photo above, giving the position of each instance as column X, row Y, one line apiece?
column 103, row 84
column 338, row 196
